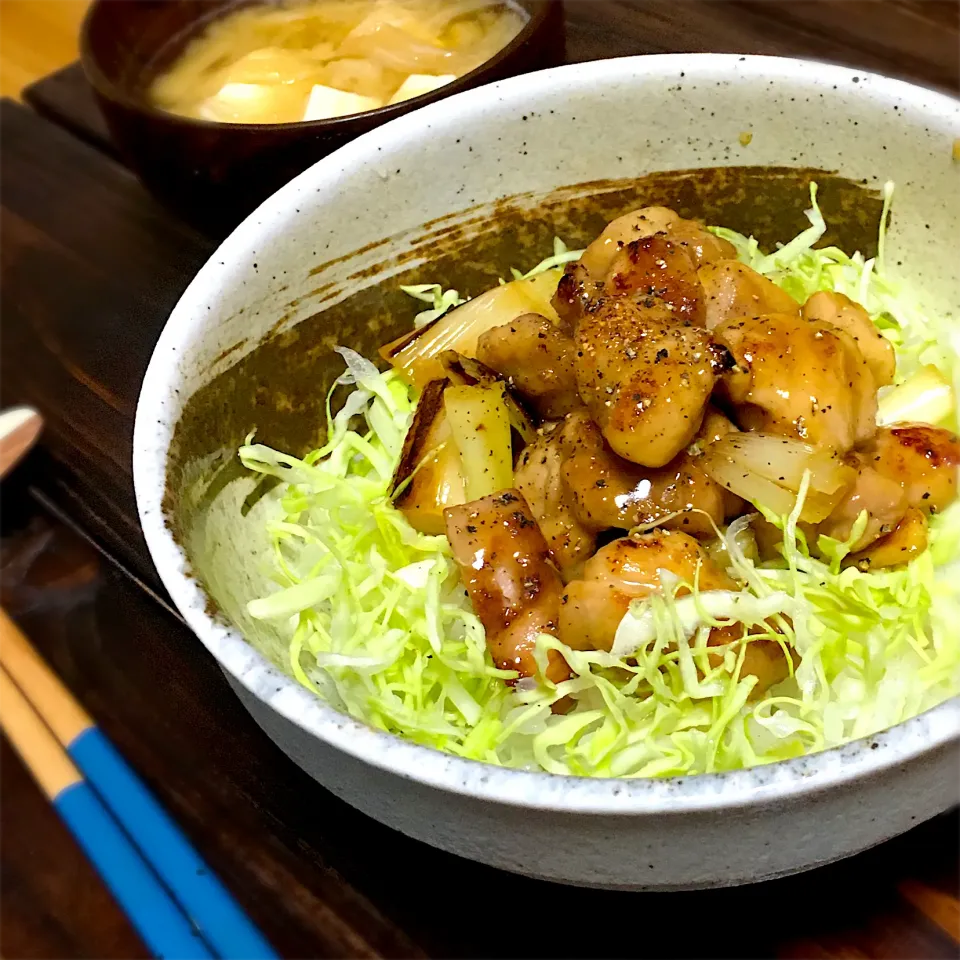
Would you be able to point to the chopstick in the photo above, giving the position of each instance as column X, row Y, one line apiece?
column 159, row 921
column 215, row 914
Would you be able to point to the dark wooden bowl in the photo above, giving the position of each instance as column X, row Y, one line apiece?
column 214, row 174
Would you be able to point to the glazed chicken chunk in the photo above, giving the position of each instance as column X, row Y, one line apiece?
column 649, row 251
column 539, row 476
column 907, row 539
column 842, row 312
column 645, row 376
column 537, row 360
column 657, row 267
column 922, row 459
column 629, row 569
column 800, row 378
column 732, row 290
column 882, row 497
column 513, row 586
column 610, row 492
column 698, row 244
column 903, row 467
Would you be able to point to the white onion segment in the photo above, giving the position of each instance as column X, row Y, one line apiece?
column 416, row 355
column 480, row 426
column 925, row 397
column 767, row 470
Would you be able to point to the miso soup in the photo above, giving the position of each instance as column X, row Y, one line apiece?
column 315, row 59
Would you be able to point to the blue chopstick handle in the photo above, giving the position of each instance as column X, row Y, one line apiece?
column 158, row 920
column 223, row 924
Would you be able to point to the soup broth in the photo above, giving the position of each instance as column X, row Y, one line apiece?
column 289, row 62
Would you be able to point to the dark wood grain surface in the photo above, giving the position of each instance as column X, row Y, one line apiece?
column 90, row 268
column 918, row 41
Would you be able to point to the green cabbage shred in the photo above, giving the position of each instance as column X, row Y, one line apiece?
column 381, row 627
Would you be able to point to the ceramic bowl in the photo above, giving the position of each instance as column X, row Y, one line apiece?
column 214, row 174
column 459, row 191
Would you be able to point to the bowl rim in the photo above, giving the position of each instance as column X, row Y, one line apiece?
column 120, row 95
column 936, row 729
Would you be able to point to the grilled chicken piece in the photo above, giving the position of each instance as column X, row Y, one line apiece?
column 924, row 460
column 574, row 293
column 685, row 489
column 702, row 245
column 732, row 290
column 901, row 467
column 539, row 476
column 800, row 378
column 513, row 586
column 629, row 569
column 763, row 659
column 536, row 358
column 625, row 570
column 645, row 376
column 884, row 500
column 906, row 541
column 844, row 313
column 605, row 490
column 657, row 267
column 699, row 244
column 610, row 492
column 685, row 243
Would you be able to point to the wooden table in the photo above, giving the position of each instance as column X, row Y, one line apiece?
column 90, row 269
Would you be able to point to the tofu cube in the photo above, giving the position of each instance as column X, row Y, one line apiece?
column 418, row 84
column 326, row 102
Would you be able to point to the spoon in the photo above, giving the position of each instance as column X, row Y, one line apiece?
column 19, row 429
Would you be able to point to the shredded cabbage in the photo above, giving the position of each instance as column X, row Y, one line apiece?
column 378, row 621
column 561, row 256
column 380, row 626
column 440, row 300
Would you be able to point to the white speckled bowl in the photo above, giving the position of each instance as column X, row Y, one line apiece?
column 533, row 134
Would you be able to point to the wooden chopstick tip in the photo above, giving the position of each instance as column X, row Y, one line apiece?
column 53, row 770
